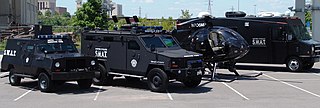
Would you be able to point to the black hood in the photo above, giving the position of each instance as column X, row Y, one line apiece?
column 179, row 53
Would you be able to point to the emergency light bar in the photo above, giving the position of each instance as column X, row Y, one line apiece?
column 52, row 36
column 150, row 29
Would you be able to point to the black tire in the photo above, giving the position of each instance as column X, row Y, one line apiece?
column 101, row 77
column 45, row 83
column 132, row 79
column 13, row 79
column 308, row 66
column 294, row 64
column 192, row 82
column 85, row 83
column 157, row 80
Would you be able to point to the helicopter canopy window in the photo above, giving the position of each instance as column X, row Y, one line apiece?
column 169, row 41
column 300, row 32
column 57, row 48
column 156, row 41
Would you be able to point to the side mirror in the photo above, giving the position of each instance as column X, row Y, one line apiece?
column 153, row 48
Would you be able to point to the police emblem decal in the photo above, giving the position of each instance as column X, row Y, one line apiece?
column 134, row 63
column 27, row 59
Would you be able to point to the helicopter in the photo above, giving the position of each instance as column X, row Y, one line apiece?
column 217, row 44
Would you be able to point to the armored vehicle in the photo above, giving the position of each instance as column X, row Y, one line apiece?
column 52, row 59
column 142, row 52
column 275, row 40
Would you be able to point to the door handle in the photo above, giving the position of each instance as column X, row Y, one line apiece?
column 138, row 56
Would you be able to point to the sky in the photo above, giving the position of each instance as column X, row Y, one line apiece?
column 167, row 8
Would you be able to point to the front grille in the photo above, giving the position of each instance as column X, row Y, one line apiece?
column 75, row 64
column 317, row 50
column 194, row 63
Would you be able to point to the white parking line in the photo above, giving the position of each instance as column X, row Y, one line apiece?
column 24, row 94
column 169, row 95
column 318, row 74
column 236, row 91
column 4, row 73
column 293, row 86
column 96, row 97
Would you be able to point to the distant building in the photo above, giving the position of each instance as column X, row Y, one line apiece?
column 61, row 10
column 47, row 5
column 18, row 11
column 117, row 10
column 79, row 3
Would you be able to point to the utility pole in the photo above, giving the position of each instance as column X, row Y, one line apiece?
column 315, row 19
column 140, row 11
column 209, row 6
column 255, row 10
column 238, row 5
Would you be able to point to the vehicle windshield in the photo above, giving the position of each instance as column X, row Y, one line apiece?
column 169, row 41
column 300, row 32
column 57, row 48
column 160, row 42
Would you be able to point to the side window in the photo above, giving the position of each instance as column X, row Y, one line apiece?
column 133, row 45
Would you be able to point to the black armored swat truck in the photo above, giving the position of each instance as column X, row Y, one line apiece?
column 138, row 52
column 52, row 59
column 275, row 40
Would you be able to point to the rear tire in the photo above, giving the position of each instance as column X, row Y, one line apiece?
column 85, row 83
column 158, row 80
column 102, row 78
column 294, row 64
column 13, row 79
column 192, row 82
column 45, row 83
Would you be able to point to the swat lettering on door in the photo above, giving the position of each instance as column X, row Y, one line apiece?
column 259, row 42
column 101, row 52
column 11, row 53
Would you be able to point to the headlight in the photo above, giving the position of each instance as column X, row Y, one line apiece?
column 57, row 64
column 93, row 62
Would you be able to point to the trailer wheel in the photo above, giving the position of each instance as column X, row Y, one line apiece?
column 158, row 80
column 45, row 83
column 85, row 83
column 294, row 64
column 101, row 77
column 192, row 82
column 13, row 79
column 308, row 66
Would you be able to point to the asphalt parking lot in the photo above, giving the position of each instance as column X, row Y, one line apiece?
column 276, row 88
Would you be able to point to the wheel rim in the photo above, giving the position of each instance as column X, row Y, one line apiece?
column 43, row 83
column 157, row 81
column 12, row 79
column 294, row 64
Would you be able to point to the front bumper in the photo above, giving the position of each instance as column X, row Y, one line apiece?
column 186, row 72
column 310, row 59
column 71, row 76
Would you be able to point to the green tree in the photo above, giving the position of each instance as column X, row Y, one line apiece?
column 40, row 13
column 66, row 14
column 47, row 13
column 185, row 14
column 91, row 15
column 309, row 17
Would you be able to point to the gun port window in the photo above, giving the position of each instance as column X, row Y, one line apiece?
column 133, row 45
